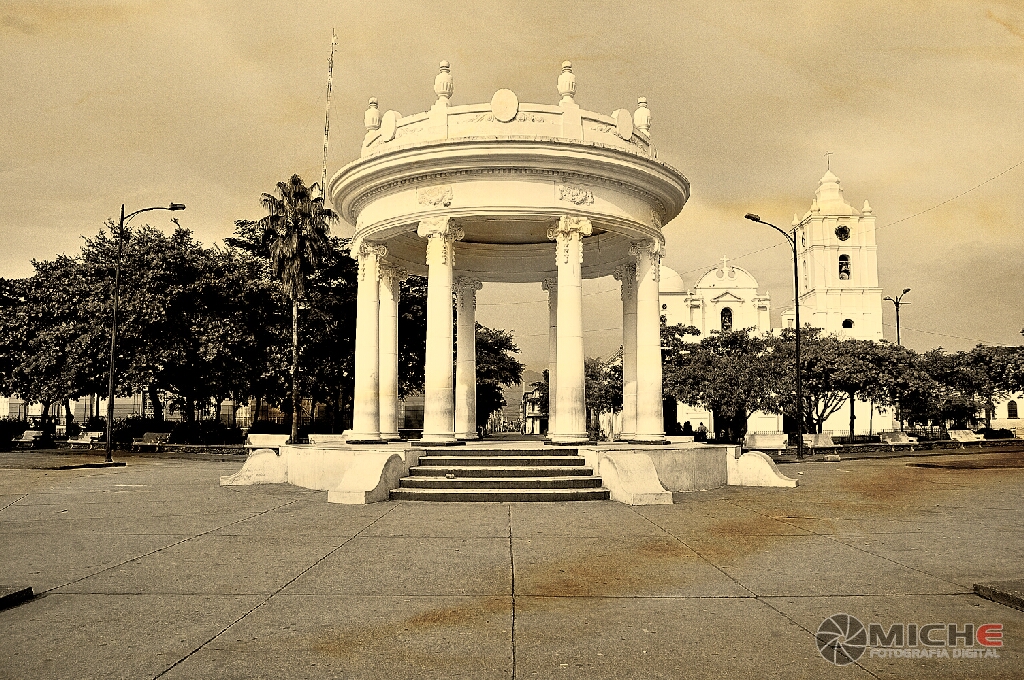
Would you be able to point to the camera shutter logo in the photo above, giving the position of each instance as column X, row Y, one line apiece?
column 841, row 639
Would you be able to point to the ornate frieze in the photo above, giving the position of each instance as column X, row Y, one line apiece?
column 574, row 193
column 566, row 178
column 439, row 195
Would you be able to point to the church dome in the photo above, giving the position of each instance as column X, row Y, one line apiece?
column 726, row 275
column 671, row 282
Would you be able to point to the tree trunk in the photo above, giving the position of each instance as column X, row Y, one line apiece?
column 853, row 415
column 154, row 399
column 216, row 409
column 296, row 413
column 69, row 417
column 256, row 414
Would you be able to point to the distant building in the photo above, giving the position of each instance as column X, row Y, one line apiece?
column 838, row 258
column 724, row 299
column 839, row 293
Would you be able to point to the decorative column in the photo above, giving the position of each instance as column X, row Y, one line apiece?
column 570, row 398
column 439, row 404
column 465, row 363
column 627, row 275
column 650, row 425
column 366, row 409
column 551, row 286
column 391, row 278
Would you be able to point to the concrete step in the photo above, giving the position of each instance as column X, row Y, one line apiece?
column 540, row 451
column 501, row 471
column 500, row 461
column 577, row 482
column 499, row 495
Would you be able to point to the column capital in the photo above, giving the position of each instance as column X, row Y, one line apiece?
column 391, row 274
column 439, row 227
column 366, row 252
column 440, row 233
column 626, row 274
column 568, row 227
column 651, row 249
column 466, row 284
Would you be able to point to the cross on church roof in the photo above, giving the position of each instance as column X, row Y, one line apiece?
column 725, row 263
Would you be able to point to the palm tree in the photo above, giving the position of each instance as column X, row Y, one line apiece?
column 296, row 230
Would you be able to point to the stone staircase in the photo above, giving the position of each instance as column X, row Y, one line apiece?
column 501, row 475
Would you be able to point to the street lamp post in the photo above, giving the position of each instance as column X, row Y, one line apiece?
column 796, row 304
column 897, row 301
column 113, row 323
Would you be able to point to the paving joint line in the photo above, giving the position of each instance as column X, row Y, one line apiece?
column 269, row 597
column 18, row 500
column 832, row 538
column 813, row 634
column 512, row 565
column 695, row 551
column 165, row 547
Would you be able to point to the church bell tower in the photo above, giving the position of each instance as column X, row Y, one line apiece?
column 838, row 262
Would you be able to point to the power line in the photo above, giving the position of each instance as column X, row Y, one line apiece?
column 890, row 224
column 904, row 327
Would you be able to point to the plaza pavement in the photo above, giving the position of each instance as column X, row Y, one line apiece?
column 154, row 570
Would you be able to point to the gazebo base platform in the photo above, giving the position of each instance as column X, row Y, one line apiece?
column 509, row 472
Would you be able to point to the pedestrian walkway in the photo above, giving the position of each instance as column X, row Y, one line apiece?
column 154, row 570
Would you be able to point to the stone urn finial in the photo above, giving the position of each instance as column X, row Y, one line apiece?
column 444, row 86
column 372, row 116
column 567, row 83
column 642, row 116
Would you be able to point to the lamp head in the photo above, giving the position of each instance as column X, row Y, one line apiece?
column 888, row 298
column 905, row 291
column 177, row 206
column 752, row 217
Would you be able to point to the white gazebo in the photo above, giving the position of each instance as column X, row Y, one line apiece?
column 505, row 192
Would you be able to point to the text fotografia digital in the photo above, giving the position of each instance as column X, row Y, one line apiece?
column 842, row 639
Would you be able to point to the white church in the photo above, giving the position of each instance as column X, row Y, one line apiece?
column 839, row 293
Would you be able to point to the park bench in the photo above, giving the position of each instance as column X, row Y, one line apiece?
column 156, row 440
column 29, row 438
column 965, row 436
column 86, row 439
column 327, row 439
column 777, row 441
column 895, row 439
column 819, row 441
column 266, row 441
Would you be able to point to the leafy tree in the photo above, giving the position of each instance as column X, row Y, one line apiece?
column 732, row 374
column 603, row 387
column 496, row 367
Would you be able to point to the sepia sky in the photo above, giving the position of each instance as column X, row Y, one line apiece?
column 211, row 103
